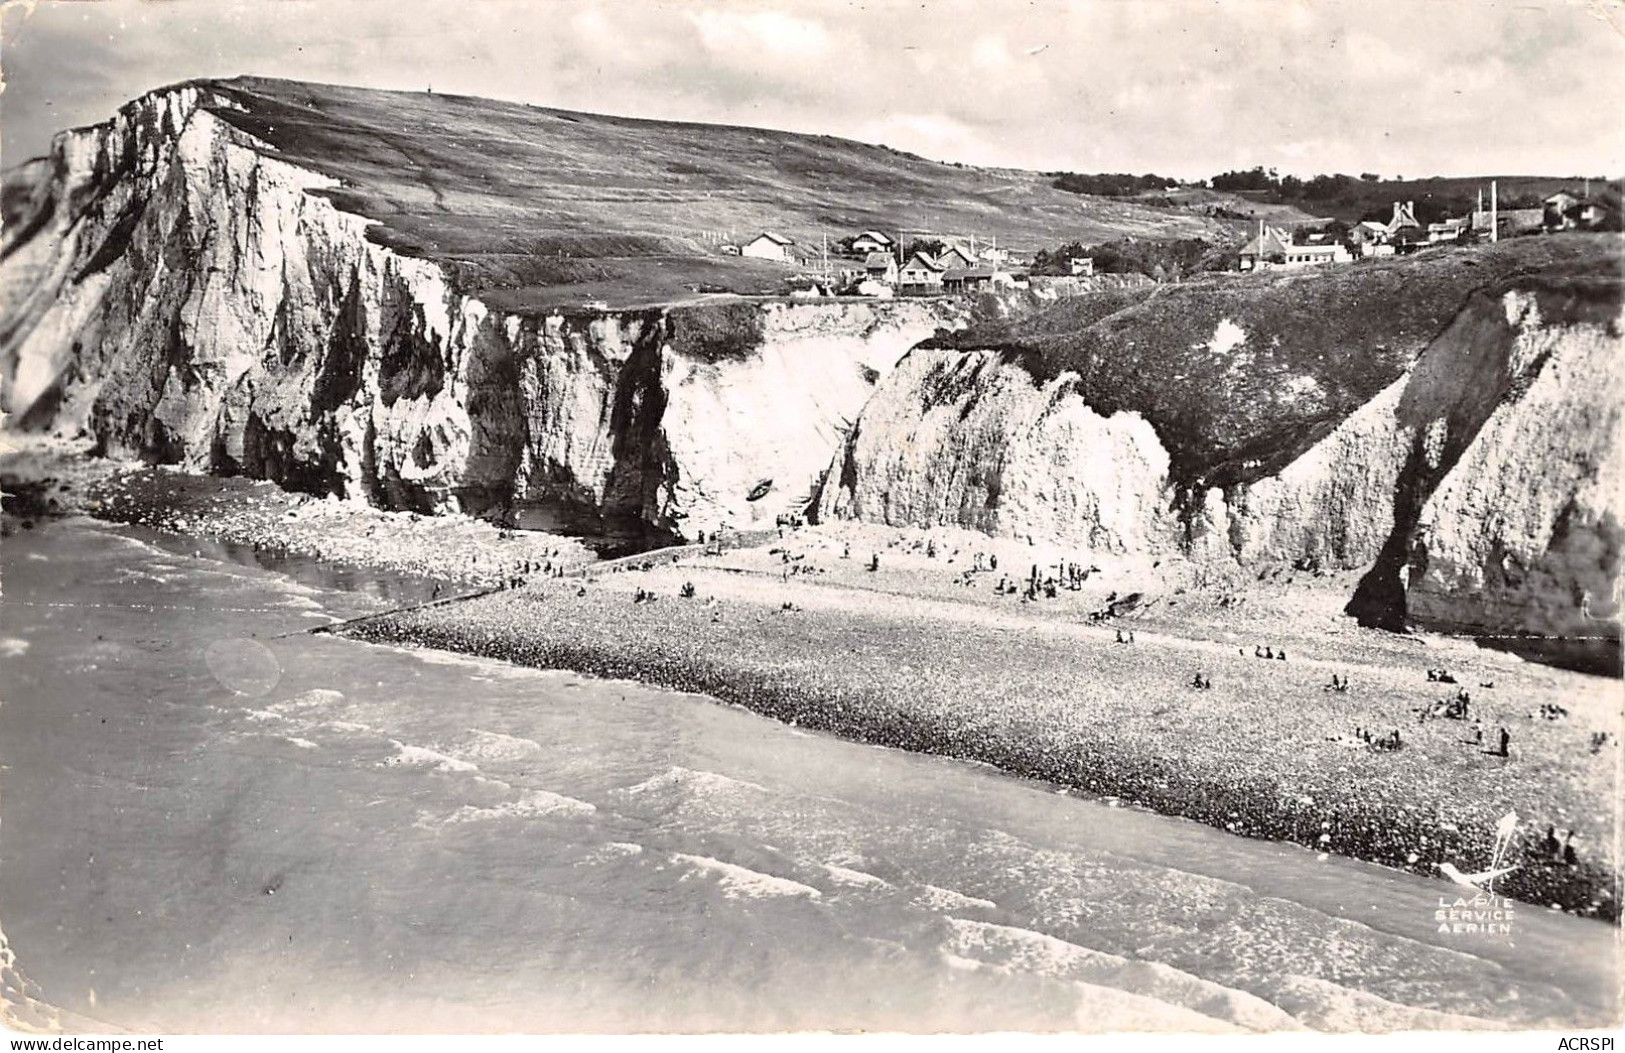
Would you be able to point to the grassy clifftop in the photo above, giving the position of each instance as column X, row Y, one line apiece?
column 1240, row 374
column 536, row 207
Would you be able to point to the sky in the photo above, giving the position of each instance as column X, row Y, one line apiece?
column 1183, row 88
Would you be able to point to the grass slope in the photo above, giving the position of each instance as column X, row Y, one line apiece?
column 536, row 207
column 1319, row 345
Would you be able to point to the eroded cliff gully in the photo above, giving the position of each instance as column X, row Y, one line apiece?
column 173, row 288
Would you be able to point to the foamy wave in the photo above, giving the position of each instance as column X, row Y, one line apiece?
column 295, row 709
column 494, row 745
column 1028, row 951
column 421, row 755
column 489, row 667
column 937, row 898
column 304, row 744
column 1332, row 1007
column 744, row 883
column 317, row 696
column 12, row 647
column 854, row 877
column 299, row 603
column 964, row 965
column 697, row 781
column 531, row 804
column 614, row 850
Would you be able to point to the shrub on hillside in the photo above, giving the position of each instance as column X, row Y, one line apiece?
column 716, row 332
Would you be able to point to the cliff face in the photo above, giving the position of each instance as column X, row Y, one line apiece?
column 177, row 289
column 1479, row 486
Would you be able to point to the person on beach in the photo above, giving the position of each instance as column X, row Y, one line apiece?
column 1506, row 742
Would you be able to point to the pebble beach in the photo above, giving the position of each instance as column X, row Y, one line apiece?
column 935, row 642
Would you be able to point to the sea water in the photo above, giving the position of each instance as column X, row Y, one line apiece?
column 212, row 820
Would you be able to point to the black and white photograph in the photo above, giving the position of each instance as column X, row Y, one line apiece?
column 767, row 517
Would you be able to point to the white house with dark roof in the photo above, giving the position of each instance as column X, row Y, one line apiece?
column 770, row 246
column 873, row 241
column 954, row 256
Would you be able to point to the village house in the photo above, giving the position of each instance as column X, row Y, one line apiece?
column 981, row 277
column 872, row 241
column 880, row 267
column 1372, row 238
column 954, row 256
column 1450, row 229
column 1558, row 206
column 920, row 274
column 1508, row 222
column 1266, row 250
column 1081, row 266
column 1591, row 215
column 770, row 246
column 1273, row 249
column 1404, row 218
column 1566, row 211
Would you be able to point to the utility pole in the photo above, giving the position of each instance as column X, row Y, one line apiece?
column 1495, row 221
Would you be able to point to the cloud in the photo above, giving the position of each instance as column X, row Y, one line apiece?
column 752, row 35
column 1181, row 87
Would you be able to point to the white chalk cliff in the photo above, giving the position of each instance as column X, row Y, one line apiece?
column 1481, row 487
column 183, row 291
column 177, row 289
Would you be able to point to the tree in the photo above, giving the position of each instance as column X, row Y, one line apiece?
column 1253, row 179
column 930, row 248
column 1113, row 184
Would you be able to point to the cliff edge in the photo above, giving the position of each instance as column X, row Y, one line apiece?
column 189, row 293
column 1450, row 423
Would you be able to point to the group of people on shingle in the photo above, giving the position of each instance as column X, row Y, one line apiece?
column 1560, row 850
column 1387, row 743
